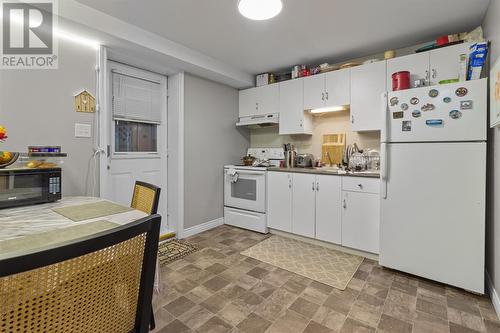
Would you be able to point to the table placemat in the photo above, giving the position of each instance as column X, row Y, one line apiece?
column 53, row 237
column 91, row 210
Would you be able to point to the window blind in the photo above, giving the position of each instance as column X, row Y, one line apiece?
column 135, row 98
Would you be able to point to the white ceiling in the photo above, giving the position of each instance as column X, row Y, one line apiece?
column 306, row 31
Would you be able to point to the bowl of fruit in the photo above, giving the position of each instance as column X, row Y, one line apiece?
column 7, row 158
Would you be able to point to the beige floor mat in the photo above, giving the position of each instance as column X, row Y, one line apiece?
column 328, row 266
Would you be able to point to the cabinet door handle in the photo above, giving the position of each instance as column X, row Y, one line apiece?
column 434, row 73
column 326, row 94
column 344, row 205
column 289, row 183
column 317, row 186
column 313, row 186
column 360, row 186
column 322, row 96
column 352, row 119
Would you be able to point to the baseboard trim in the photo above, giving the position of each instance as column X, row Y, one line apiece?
column 493, row 294
column 201, row 227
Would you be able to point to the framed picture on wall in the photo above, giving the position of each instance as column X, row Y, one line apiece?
column 495, row 94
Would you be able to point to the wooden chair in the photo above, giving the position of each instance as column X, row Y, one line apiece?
column 146, row 198
column 101, row 283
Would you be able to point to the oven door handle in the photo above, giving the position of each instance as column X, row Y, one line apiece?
column 248, row 172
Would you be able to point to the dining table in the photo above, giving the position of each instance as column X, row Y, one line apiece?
column 42, row 219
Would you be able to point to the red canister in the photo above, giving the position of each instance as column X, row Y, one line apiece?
column 443, row 40
column 400, row 80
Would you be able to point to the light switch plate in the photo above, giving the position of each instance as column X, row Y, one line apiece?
column 83, row 130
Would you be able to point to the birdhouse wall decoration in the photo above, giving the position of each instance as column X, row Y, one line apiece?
column 85, row 102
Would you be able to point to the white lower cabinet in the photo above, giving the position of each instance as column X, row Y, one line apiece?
column 334, row 209
column 328, row 209
column 360, row 214
column 304, row 204
column 279, row 201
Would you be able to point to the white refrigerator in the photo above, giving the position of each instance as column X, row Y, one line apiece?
column 433, row 172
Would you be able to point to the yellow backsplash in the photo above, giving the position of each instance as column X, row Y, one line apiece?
column 331, row 123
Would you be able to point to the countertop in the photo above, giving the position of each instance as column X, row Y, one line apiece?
column 325, row 171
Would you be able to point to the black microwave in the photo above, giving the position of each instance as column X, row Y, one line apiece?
column 20, row 186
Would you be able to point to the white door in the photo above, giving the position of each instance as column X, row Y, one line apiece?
column 445, row 62
column 245, row 191
column 328, row 208
column 134, row 130
column 304, row 205
column 268, row 99
column 248, row 102
column 279, row 201
column 338, row 87
column 368, row 83
column 293, row 118
column 314, row 91
column 433, row 218
column 360, row 221
column 417, row 64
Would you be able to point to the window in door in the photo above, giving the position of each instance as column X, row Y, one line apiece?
column 136, row 114
column 135, row 137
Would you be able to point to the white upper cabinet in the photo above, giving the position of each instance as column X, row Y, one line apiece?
column 417, row 64
column 268, row 99
column 338, row 89
column 445, row 62
column 314, row 92
column 293, row 118
column 329, row 89
column 433, row 66
column 368, row 83
column 259, row 101
column 248, row 102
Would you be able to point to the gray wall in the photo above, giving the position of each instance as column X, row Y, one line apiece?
column 211, row 141
column 492, row 32
column 36, row 106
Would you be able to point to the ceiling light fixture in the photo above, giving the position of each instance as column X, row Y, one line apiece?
column 260, row 10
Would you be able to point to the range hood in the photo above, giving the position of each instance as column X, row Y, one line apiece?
column 259, row 121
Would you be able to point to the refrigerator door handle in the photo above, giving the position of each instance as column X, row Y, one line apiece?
column 383, row 170
column 384, row 110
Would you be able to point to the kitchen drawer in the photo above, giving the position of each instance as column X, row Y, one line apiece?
column 361, row 184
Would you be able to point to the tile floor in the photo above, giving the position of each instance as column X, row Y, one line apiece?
column 217, row 290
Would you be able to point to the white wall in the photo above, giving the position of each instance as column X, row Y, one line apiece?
column 36, row 106
column 211, row 140
column 492, row 32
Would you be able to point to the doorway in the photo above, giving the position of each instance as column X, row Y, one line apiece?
column 133, row 133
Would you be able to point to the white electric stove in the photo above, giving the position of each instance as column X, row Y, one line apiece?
column 245, row 191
